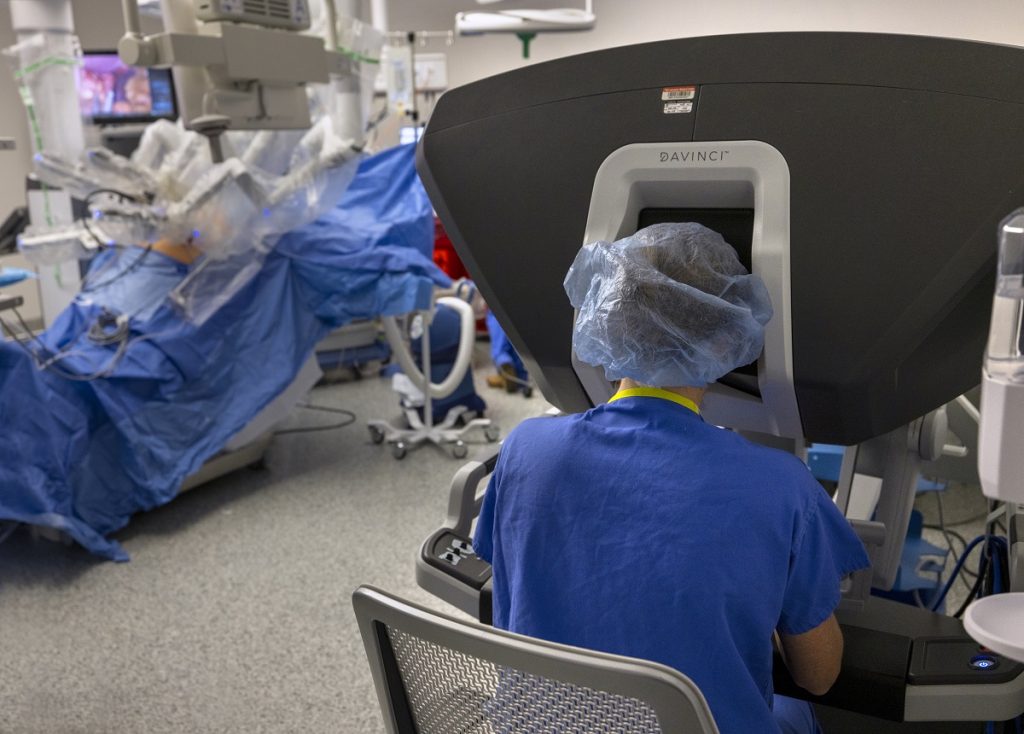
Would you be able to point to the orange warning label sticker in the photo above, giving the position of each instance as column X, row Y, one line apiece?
column 676, row 94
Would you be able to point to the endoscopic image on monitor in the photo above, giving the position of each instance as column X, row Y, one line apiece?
column 111, row 92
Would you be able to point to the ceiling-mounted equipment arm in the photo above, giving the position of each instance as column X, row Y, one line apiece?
column 221, row 66
column 134, row 48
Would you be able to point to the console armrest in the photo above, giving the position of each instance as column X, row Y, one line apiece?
column 463, row 500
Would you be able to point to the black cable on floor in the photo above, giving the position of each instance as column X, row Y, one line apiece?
column 949, row 535
column 975, row 589
column 352, row 418
column 968, row 521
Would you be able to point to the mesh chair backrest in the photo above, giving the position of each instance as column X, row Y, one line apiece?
column 454, row 693
column 438, row 675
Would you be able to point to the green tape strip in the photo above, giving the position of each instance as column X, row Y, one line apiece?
column 33, row 119
column 37, row 137
column 356, row 56
column 44, row 63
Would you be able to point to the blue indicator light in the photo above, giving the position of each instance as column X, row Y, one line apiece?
column 984, row 662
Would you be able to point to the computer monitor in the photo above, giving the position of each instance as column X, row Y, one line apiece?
column 110, row 92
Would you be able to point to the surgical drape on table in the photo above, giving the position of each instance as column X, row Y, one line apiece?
column 83, row 456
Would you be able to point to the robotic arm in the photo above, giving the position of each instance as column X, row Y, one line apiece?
column 229, row 204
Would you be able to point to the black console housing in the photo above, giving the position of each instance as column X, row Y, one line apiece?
column 904, row 154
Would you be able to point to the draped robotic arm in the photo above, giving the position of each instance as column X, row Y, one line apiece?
column 261, row 170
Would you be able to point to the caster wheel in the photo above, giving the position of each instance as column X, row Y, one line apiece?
column 459, row 450
column 491, row 433
column 399, row 451
column 528, row 392
column 376, row 435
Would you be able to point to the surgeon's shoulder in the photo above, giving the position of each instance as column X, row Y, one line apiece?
column 540, row 430
column 785, row 472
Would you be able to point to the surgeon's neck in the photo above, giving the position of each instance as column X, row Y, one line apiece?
column 696, row 394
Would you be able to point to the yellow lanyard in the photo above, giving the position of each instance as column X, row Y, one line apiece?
column 656, row 392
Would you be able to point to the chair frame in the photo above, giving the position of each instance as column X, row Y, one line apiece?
column 677, row 702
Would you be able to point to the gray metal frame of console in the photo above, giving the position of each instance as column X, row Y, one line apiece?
column 746, row 174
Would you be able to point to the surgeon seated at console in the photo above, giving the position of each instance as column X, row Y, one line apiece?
column 639, row 529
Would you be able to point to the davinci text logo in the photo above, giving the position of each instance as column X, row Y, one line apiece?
column 693, row 156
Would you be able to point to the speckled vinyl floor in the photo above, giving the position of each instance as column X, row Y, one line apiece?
column 233, row 614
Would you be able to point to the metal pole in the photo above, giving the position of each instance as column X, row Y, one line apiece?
column 132, row 23
column 428, row 377
column 379, row 15
column 332, row 25
column 415, row 111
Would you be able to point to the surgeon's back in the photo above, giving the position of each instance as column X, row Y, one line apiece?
column 636, row 528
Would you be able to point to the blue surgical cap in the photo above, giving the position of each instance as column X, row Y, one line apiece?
column 669, row 306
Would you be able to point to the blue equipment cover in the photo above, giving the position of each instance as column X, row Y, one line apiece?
column 10, row 276
column 83, row 455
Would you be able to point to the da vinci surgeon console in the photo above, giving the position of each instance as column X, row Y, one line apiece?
column 862, row 176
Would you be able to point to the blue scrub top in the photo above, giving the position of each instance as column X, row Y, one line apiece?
column 638, row 529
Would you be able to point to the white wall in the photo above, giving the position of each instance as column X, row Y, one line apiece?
column 622, row 22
